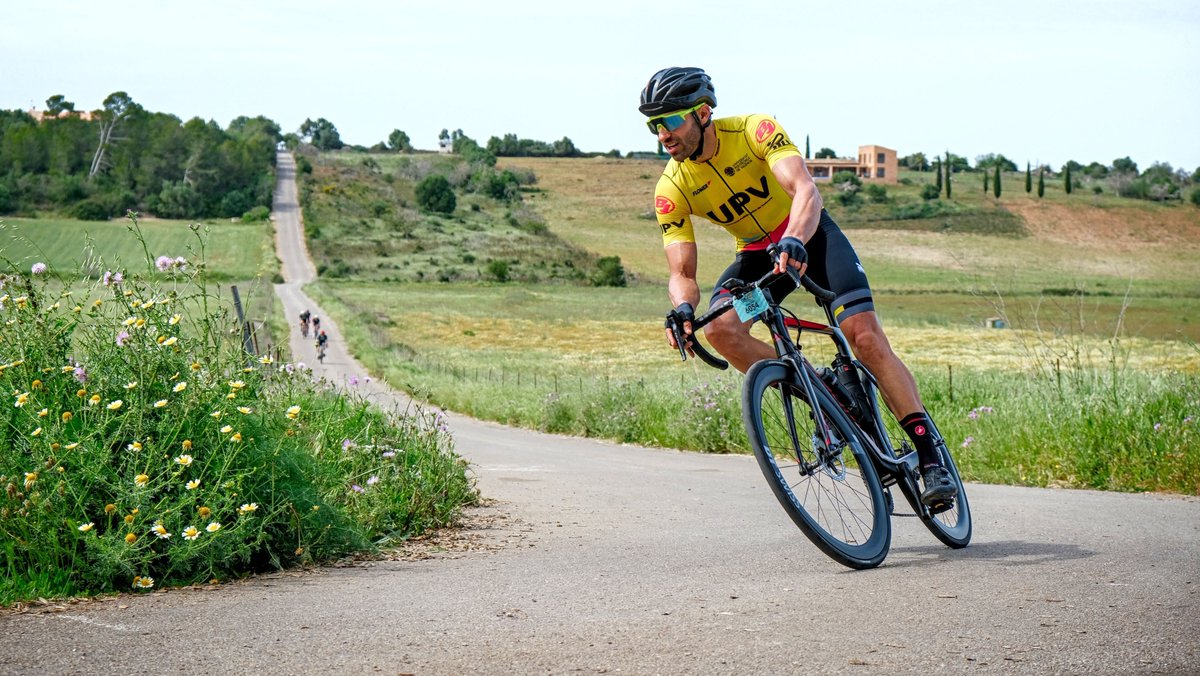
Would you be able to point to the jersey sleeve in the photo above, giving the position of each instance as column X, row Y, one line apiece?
column 673, row 213
column 768, row 140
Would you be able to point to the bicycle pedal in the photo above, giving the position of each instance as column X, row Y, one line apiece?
column 939, row 507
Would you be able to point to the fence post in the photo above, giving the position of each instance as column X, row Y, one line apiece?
column 950, row 369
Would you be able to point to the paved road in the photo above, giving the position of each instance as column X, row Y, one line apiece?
column 600, row 558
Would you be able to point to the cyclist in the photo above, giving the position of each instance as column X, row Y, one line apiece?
column 316, row 324
column 744, row 174
column 322, row 341
column 304, row 316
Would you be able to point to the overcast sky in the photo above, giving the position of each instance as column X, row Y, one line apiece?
column 1036, row 80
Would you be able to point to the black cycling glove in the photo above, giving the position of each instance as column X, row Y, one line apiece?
column 794, row 248
column 681, row 314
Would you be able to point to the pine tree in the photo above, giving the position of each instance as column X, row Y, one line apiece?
column 937, row 168
column 996, row 182
column 807, row 154
column 1067, row 179
column 1041, row 182
column 1028, row 179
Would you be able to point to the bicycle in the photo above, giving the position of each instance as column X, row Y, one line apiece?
column 826, row 443
column 321, row 352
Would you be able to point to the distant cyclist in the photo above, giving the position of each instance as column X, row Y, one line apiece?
column 316, row 325
column 744, row 174
column 322, row 342
column 304, row 317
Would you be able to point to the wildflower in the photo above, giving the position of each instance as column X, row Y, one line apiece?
column 175, row 319
column 356, row 488
column 135, row 446
column 140, row 323
column 115, row 404
column 247, row 507
column 121, row 338
column 130, row 385
column 148, row 304
column 226, row 429
column 130, row 538
column 86, row 527
column 141, row 480
column 293, row 412
column 193, row 484
column 179, row 386
column 187, row 444
column 77, row 309
column 36, row 433
column 347, row 444
column 160, row 403
column 94, row 399
column 195, row 366
column 1157, row 426
column 1187, row 420
column 973, row 415
column 71, row 446
column 213, row 527
column 30, row 479
column 215, row 414
column 163, row 263
column 113, row 278
column 67, row 415
column 231, row 395
column 264, row 359
column 22, row 399
column 967, row 442
column 128, row 518
column 143, row 582
column 373, row 480
column 43, row 413
column 110, row 508
column 236, row 384
column 354, row 380
column 160, row 530
column 289, row 368
column 236, row 438
column 185, row 460
column 389, row 454
column 38, row 268
column 245, row 410
column 204, row 512
column 190, row 533
column 170, row 341
column 129, row 321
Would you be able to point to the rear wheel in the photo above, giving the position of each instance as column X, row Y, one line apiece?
column 828, row 486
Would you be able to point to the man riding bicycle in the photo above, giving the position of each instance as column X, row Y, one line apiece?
column 744, row 174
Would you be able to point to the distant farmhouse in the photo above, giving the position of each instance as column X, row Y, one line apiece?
column 874, row 163
column 39, row 115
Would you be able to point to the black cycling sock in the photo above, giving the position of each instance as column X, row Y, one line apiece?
column 918, row 428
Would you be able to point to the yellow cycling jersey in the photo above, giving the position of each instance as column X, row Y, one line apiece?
column 735, row 188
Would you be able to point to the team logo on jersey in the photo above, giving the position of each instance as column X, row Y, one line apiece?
column 778, row 142
column 765, row 129
column 735, row 206
column 666, row 227
column 742, row 163
column 701, row 189
column 663, row 205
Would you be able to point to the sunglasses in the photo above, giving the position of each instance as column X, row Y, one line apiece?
column 673, row 121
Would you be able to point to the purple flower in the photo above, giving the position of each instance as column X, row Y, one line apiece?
column 389, row 454
column 1187, row 420
column 357, row 489
column 121, row 338
column 373, row 480
column 38, row 268
column 967, row 442
column 113, row 278
column 1157, row 426
column 163, row 263
column 289, row 368
column 973, row 415
column 347, row 444
column 353, row 380
column 81, row 373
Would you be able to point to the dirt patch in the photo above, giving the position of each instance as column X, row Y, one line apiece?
column 1111, row 227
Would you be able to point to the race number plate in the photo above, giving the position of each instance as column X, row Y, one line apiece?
column 750, row 305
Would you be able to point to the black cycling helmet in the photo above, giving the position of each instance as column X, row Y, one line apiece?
column 676, row 88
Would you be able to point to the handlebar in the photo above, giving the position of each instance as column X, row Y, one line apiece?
column 737, row 288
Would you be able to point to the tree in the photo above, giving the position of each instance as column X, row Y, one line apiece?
column 1124, row 165
column 321, row 134
column 915, row 161
column 609, row 272
column 399, row 141
column 1028, row 178
column 937, row 168
column 1041, row 182
column 986, row 180
column 949, row 166
column 996, row 182
column 989, row 160
column 826, row 153
column 434, row 194
column 1067, row 177
column 117, row 107
column 58, row 104
column 808, row 154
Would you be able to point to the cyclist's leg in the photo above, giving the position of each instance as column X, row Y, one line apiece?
column 728, row 334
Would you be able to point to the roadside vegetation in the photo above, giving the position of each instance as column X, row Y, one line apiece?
column 143, row 448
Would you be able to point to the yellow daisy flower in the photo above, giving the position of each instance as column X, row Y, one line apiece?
column 86, row 527
column 135, row 446
column 95, row 399
column 191, row 533
column 71, row 446
column 130, row 385
column 248, row 507
column 187, row 444
column 236, row 438
column 30, row 479
column 265, row 360
column 140, row 323
column 293, row 412
column 226, row 429
column 180, row 386
column 193, row 484
column 245, row 410
column 160, row 403
column 143, row 582
column 115, row 404
column 141, row 480
column 171, row 341
column 43, row 413
column 215, row 414
column 184, row 460
column 128, row 518
column 130, row 538
column 110, row 508
column 195, row 366
column 175, row 319
column 36, row 433
column 236, row 384
column 129, row 321
column 160, row 530
column 204, row 511
column 22, row 399
column 213, row 527
column 231, row 395
column 67, row 415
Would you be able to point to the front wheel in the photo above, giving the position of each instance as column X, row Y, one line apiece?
column 828, row 486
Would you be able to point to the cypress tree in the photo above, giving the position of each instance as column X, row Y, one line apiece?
column 996, row 182
column 1067, row 179
column 1041, row 182
column 937, row 168
column 1028, row 179
column 807, row 154
column 985, row 182
column 947, row 174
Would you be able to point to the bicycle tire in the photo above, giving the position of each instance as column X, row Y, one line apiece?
column 837, row 502
column 952, row 527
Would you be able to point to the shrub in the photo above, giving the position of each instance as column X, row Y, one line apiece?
column 142, row 449
column 1195, row 196
column 257, row 214
column 609, row 272
column 930, row 192
column 877, row 193
column 498, row 270
column 91, row 210
column 434, row 194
